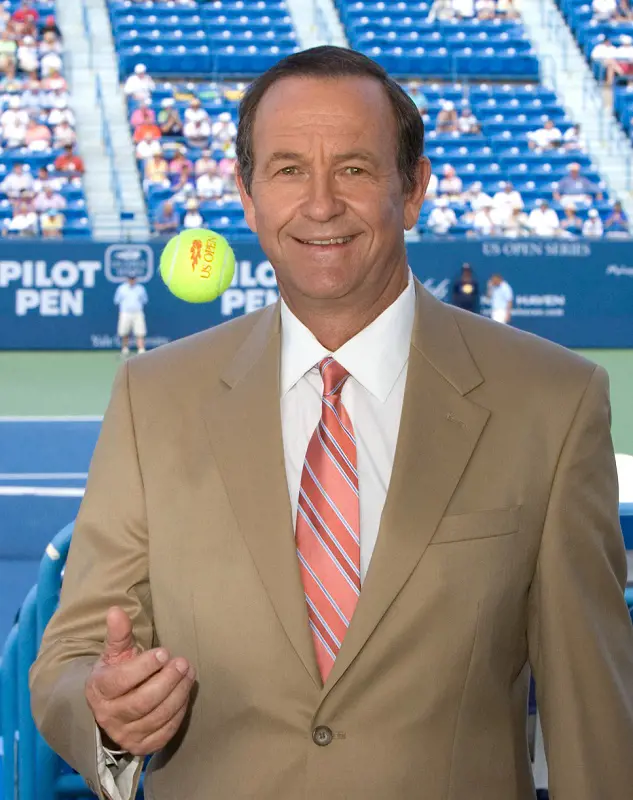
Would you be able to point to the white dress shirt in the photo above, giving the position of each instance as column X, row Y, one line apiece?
column 377, row 360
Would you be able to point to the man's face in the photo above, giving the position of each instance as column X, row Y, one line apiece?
column 325, row 167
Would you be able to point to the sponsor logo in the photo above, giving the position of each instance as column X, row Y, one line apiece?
column 194, row 253
column 619, row 270
column 123, row 261
column 50, row 290
column 439, row 289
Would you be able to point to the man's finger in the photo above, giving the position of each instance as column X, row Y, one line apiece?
column 119, row 635
column 152, row 693
column 115, row 680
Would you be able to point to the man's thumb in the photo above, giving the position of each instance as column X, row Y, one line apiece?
column 119, row 636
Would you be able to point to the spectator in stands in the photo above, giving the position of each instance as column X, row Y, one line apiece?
column 517, row 224
column 28, row 59
column 488, row 221
column 48, row 199
column 43, row 179
column 506, row 200
column 26, row 14
column 415, row 92
column 486, row 10
column 592, row 226
column 464, row 9
column 156, row 170
column 183, row 183
column 621, row 63
column 573, row 141
column 55, row 98
column 451, row 184
column 465, row 290
column 204, row 163
column 193, row 217
column 62, row 114
column 50, row 26
column 209, row 184
column 148, row 146
column 50, row 44
column 197, row 133
column 139, row 85
column 50, row 63
column 167, row 219
column 52, row 224
column 63, row 135
column 147, row 131
column 442, row 218
column 13, row 123
column 507, row 10
column 180, row 163
column 223, row 132
column 9, row 82
column 476, row 198
column 23, row 222
column 4, row 18
column 616, row 224
column 16, row 182
column 54, row 81
column 432, row 188
column 543, row 220
column 169, row 119
column 442, row 11
column 467, row 123
column 446, row 121
column 548, row 137
column 576, row 187
column 605, row 10
column 38, row 136
column 33, row 96
column 195, row 112
column 70, row 162
column 143, row 115
column 8, row 50
column 571, row 222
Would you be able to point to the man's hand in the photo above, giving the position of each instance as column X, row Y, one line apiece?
column 138, row 699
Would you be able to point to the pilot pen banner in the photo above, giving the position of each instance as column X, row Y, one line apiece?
column 59, row 295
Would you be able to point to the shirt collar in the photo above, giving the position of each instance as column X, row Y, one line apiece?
column 375, row 357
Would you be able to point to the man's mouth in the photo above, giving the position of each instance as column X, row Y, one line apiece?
column 327, row 242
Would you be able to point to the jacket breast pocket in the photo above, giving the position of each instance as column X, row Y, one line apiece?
column 478, row 525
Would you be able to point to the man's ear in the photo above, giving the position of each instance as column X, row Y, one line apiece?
column 415, row 198
column 247, row 202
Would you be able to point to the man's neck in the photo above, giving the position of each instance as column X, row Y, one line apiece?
column 333, row 326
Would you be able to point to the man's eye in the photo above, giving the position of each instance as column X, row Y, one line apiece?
column 354, row 170
column 288, row 171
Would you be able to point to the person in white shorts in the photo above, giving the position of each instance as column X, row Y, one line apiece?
column 501, row 297
column 131, row 299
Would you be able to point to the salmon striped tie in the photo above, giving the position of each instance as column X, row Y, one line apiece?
column 328, row 527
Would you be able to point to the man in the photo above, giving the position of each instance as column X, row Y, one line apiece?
column 37, row 136
column 16, row 182
column 169, row 119
column 69, row 162
column 543, row 220
column 48, row 199
column 592, row 227
column 268, row 593
column 167, row 220
column 506, row 200
column 575, row 187
column 546, row 138
column 131, row 298
column 23, row 222
column 465, row 290
column 442, row 218
column 501, row 297
column 139, row 85
column 488, row 220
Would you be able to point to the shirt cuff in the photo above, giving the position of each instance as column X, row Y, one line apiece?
column 116, row 769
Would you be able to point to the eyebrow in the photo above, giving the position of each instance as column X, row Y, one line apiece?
column 352, row 155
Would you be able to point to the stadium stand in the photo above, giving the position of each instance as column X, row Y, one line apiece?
column 40, row 174
column 510, row 143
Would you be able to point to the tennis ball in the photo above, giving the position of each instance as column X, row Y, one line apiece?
column 197, row 265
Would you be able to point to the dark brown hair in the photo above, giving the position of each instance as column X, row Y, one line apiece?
column 333, row 62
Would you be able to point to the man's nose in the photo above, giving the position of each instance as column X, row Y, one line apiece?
column 322, row 198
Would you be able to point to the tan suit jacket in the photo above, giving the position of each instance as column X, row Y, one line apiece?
column 499, row 548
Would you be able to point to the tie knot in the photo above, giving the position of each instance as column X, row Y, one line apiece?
column 334, row 376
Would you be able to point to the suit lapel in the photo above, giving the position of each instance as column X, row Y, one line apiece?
column 252, row 467
column 439, row 431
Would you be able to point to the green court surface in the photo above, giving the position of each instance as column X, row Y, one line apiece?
column 73, row 383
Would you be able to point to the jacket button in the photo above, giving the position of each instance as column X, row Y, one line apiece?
column 322, row 735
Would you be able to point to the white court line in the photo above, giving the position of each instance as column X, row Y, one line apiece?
column 43, row 476
column 52, row 419
column 42, row 491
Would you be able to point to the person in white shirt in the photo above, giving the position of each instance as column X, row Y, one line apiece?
column 442, row 218
column 139, row 85
column 223, row 132
column 451, row 184
column 477, row 198
column 131, row 298
column 507, row 199
column 543, row 220
column 501, row 298
column 61, row 114
column 57, row 99
column 545, row 138
column 196, row 113
column 603, row 51
column 197, row 133
column 209, row 185
column 50, row 63
column 621, row 63
column 467, row 123
column 573, row 141
column 193, row 218
column 17, row 181
column 432, row 188
column 592, row 226
column 486, row 9
column 63, row 135
column 28, row 59
column 488, row 221
column 24, row 221
column 147, row 147
column 15, row 114
column 604, row 10
column 464, row 9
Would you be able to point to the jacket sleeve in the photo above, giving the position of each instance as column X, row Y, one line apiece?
column 580, row 635
column 107, row 565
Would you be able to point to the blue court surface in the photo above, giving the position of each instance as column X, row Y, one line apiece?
column 43, row 468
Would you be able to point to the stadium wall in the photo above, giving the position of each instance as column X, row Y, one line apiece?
column 59, row 295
